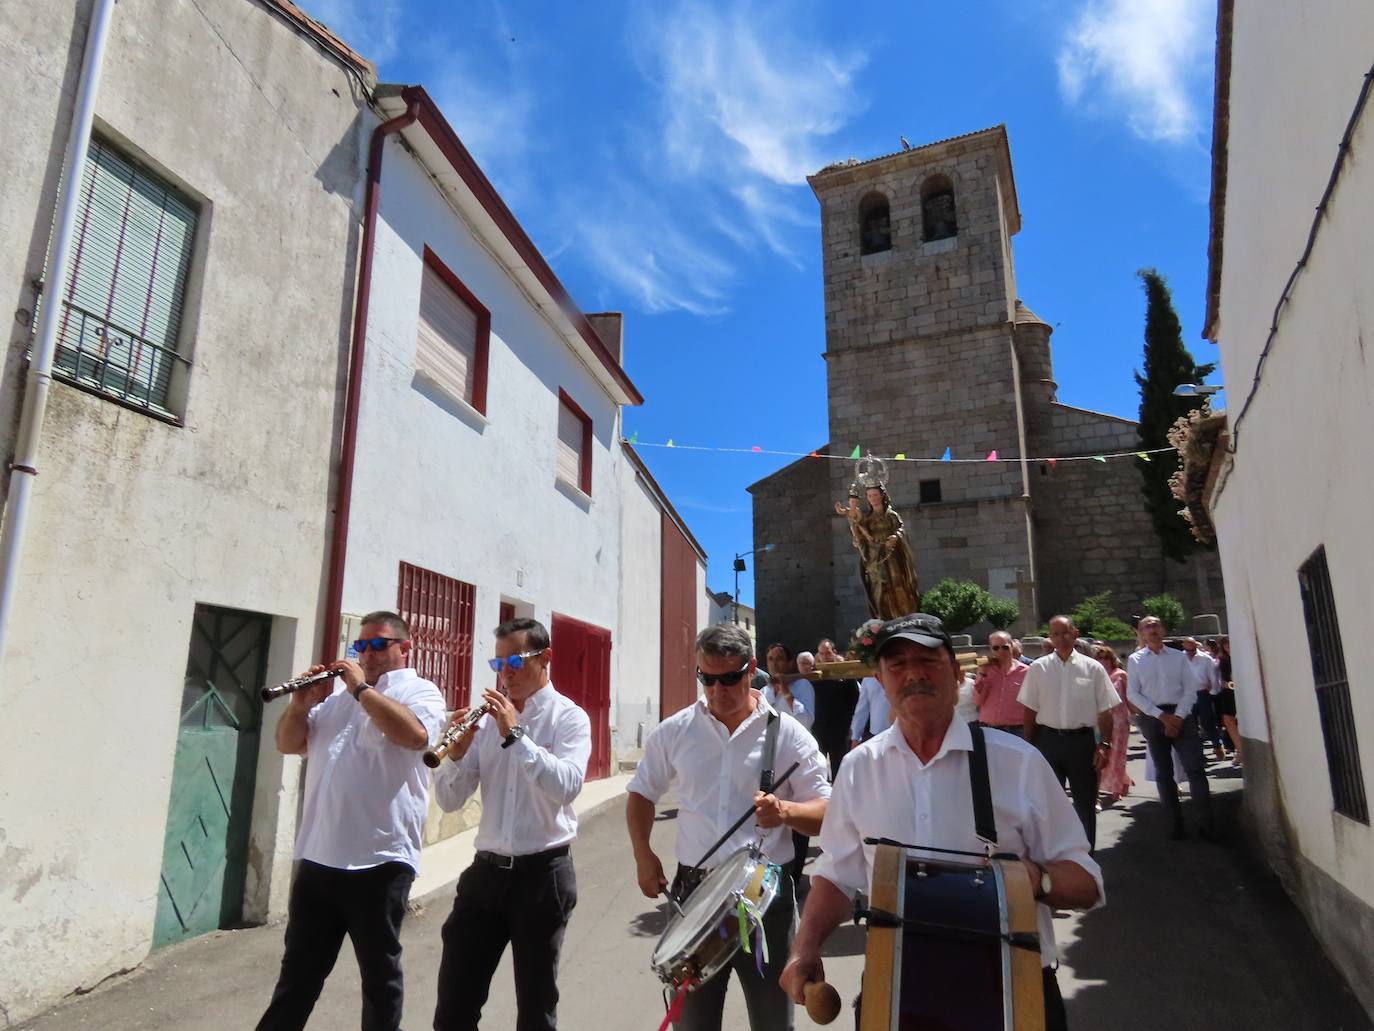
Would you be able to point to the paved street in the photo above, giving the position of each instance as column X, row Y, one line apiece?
column 1193, row 937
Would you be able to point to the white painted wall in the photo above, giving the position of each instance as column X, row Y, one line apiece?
column 464, row 496
column 135, row 521
column 638, row 655
column 1298, row 480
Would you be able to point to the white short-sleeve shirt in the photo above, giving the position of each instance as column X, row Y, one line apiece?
column 716, row 774
column 1067, row 694
column 883, row 790
column 366, row 797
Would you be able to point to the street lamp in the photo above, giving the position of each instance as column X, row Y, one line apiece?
column 1195, row 390
column 739, row 568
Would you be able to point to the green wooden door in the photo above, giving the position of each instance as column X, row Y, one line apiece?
column 205, row 855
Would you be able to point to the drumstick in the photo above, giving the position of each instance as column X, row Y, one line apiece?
column 822, row 1001
column 671, row 901
column 748, row 813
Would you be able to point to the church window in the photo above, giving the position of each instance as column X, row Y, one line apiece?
column 875, row 226
column 938, row 220
column 930, row 491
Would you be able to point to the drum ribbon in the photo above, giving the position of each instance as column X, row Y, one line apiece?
column 675, row 1009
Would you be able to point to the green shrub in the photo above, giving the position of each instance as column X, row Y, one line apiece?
column 1002, row 612
column 1096, row 617
column 1167, row 609
column 958, row 604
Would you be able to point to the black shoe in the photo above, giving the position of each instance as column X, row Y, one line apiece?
column 1179, row 833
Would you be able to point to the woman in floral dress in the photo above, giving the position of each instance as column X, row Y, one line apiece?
column 1113, row 781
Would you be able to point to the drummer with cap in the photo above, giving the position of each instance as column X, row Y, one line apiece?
column 715, row 752
column 911, row 784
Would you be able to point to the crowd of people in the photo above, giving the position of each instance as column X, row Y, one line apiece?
column 890, row 756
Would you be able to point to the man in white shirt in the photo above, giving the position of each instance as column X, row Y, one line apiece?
column 713, row 752
column 911, row 783
column 1067, row 695
column 1160, row 686
column 366, row 795
column 529, row 755
column 1204, row 670
column 871, row 715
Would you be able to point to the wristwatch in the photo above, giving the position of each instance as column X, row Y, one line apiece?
column 357, row 692
column 517, row 732
column 1045, row 886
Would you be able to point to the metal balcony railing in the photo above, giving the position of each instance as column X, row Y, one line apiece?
column 99, row 354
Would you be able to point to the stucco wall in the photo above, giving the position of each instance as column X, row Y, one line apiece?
column 135, row 521
column 1296, row 482
column 635, row 693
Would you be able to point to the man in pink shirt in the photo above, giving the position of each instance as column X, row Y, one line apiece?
column 996, row 686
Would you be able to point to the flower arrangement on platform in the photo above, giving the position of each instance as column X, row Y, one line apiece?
column 862, row 641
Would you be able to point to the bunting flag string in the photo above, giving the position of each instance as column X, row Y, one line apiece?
column 902, row 456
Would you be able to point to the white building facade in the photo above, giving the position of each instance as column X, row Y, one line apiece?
column 1293, row 213
column 176, row 537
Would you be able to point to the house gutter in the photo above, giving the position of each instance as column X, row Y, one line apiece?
column 338, row 548
column 24, row 465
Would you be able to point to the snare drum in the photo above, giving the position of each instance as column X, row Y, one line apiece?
column 706, row 935
column 968, row 957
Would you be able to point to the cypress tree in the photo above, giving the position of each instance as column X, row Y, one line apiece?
column 1167, row 364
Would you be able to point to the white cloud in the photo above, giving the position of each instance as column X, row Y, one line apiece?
column 1146, row 57
column 371, row 27
column 740, row 87
column 636, row 244
column 743, row 104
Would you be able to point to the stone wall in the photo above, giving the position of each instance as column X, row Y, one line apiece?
column 794, row 585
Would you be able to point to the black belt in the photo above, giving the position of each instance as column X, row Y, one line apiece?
column 520, row 862
column 1170, row 709
column 1064, row 733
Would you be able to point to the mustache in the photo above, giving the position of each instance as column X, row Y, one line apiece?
column 919, row 686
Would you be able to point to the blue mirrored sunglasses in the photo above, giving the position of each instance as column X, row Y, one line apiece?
column 513, row 661
column 376, row 644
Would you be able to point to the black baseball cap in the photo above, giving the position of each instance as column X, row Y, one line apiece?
column 919, row 627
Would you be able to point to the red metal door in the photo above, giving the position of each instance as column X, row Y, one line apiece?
column 581, row 669
column 678, row 626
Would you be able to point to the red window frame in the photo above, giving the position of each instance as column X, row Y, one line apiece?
column 483, row 343
column 439, row 610
column 584, row 472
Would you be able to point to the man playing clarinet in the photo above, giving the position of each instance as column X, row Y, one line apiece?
column 366, row 795
column 529, row 754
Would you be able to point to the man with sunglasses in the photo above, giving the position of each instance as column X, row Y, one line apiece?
column 714, row 753
column 366, row 796
column 529, row 754
column 997, row 684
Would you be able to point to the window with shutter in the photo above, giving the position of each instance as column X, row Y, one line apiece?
column 453, row 336
column 126, row 283
column 573, row 462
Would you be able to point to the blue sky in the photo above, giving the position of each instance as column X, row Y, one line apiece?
column 657, row 154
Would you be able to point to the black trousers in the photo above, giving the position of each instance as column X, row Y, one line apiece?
column 326, row 903
column 526, row 906
column 1070, row 755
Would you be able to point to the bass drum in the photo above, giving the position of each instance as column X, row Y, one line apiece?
column 952, row 966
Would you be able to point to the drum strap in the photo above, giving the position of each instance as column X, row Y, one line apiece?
column 984, row 824
column 770, row 752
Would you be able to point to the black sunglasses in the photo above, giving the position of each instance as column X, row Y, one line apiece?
column 727, row 679
column 1000, row 647
column 377, row 644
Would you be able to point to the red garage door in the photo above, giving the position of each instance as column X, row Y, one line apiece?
column 677, row 683
column 581, row 669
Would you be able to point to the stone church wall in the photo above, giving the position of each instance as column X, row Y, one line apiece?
column 792, row 511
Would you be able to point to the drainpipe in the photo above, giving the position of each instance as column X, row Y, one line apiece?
column 24, row 465
column 1025, row 464
column 338, row 548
